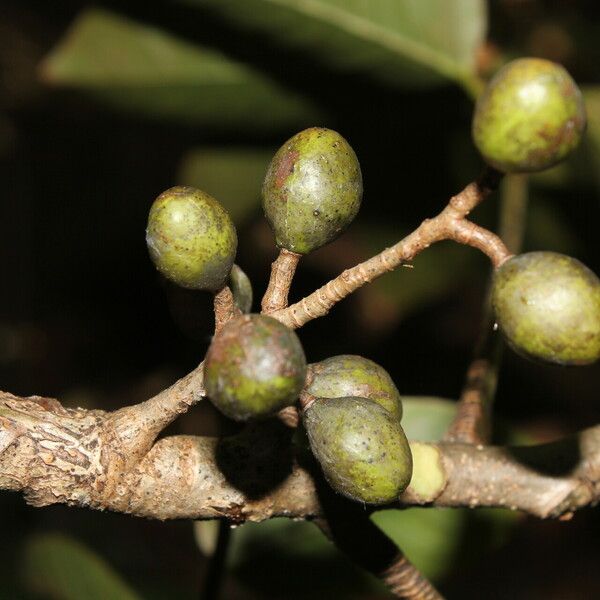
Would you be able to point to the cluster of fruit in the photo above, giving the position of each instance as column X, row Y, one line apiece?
column 547, row 305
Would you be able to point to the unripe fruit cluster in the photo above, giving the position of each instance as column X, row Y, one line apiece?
column 547, row 305
column 354, row 429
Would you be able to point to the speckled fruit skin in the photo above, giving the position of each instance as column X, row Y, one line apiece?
column 191, row 238
column 312, row 190
column 547, row 306
column 254, row 367
column 351, row 375
column 361, row 448
column 530, row 116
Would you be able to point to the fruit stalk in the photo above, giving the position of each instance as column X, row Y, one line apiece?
column 224, row 307
column 282, row 274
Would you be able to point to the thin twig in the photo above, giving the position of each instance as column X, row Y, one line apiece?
column 138, row 426
column 472, row 422
column 282, row 274
column 216, row 567
column 349, row 527
column 406, row 581
column 450, row 224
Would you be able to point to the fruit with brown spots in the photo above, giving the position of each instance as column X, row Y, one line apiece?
column 312, row 190
column 191, row 238
column 351, row 375
column 361, row 448
column 254, row 367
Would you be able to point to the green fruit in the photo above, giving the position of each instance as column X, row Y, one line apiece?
column 191, row 238
column 548, row 307
column 361, row 447
column 254, row 367
column 312, row 190
column 349, row 375
column 530, row 116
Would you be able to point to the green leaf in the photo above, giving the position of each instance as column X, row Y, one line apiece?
column 426, row 418
column 232, row 175
column 430, row 537
column 408, row 41
column 59, row 567
column 143, row 70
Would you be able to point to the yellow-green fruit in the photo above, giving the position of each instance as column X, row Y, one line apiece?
column 254, row 367
column 361, row 448
column 530, row 116
column 350, row 375
column 547, row 306
column 191, row 238
column 312, row 190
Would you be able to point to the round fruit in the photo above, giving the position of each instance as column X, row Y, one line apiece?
column 312, row 190
column 548, row 307
column 361, row 447
column 254, row 367
column 530, row 116
column 191, row 238
column 349, row 375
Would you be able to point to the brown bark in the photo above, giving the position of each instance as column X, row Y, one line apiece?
column 406, row 581
column 91, row 459
column 282, row 274
column 224, row 307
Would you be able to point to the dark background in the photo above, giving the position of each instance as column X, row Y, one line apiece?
column 85, row 318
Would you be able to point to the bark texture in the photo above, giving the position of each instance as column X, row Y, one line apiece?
column 110, row 461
